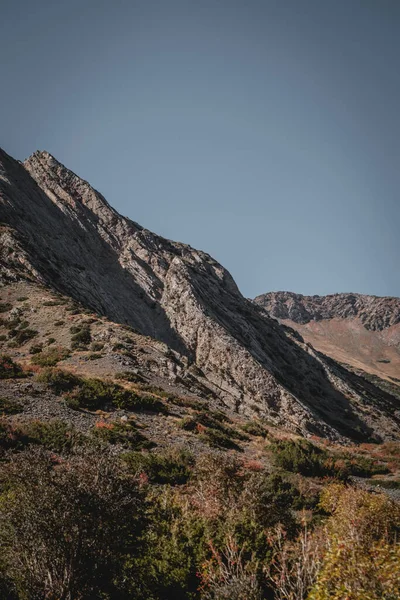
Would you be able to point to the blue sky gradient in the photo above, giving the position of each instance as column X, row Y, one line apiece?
column 265, row 132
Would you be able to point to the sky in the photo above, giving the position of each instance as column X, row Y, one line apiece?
column 264, row 132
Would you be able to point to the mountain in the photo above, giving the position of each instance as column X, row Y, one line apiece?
column 59, row 235
column 359, row 330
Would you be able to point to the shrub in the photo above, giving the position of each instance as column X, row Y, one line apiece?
column 51, row 357
column 129, row 376
column 22, row 336
column 81, row 338
column 94, row 356
column 94, row 394
column 188, row 402
column 125, row 434
column 97, row 346
column 9, row 369
column 362, row 555
column 254, row 428
column 219, row 439
column 59, row 323
column 299, row 456
column 173, row 466
column 55, row 435
column 209, row 425
column 60, row 381
column 10, row 407
column 68, row 530
column 22, row 298
column 36, row 348
column 51, row 340
column 5, row 307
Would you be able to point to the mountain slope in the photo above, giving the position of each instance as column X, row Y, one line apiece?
column 362, row 331
column 59, row 231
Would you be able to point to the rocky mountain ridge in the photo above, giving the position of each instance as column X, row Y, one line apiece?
column 59, row 232
column 375, row 313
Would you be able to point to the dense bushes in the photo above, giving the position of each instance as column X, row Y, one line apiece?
column 95, row 393
column 70, row 529
column 301, row 456
column 55, row 435
column 78, row 523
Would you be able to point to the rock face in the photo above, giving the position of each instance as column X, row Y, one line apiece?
column 374, row 313
column 363, row 331
column 59, row 231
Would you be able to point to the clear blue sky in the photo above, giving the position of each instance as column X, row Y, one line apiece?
column 265, row 132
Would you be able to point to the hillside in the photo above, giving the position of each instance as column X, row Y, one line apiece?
column 57, row 231
column 162, row 437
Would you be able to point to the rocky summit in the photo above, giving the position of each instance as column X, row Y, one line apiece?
column 193, row 330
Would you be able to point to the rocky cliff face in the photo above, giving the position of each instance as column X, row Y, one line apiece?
column 374, row 313
column 58, row 230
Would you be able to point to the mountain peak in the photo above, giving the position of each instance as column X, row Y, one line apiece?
column 63, row 233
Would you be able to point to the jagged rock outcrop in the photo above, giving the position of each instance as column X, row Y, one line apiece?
column 58, row 230
column 375, row 313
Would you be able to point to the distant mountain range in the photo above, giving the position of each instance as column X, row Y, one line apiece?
column 362, row 331
column 59, row 235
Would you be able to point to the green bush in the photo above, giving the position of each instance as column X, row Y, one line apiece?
column 60, row 381
column 94, row 356
column 20, row 337
column 50, row 357
column 9, row 369
column 129, row 376
column 10, row 407
column 215, row 433
column 255, row 428
column 173, row 467
column 71, row 530
column 94, row 394
column 55, row 436
column 5, row 307
column 299, row 456
column 81, row 338
column 219, row 439
column 36, row 348
column 124, row 434
column 303, row 457
column 97, row 346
